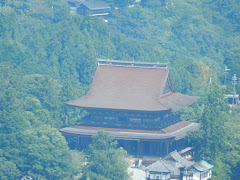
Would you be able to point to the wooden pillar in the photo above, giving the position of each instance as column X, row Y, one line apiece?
column 151, row 148
column 154, row 148
column 138, row 147
column 77, row 142
column 80, row 142
column 179, row 145
column 141, row 148
column 66, row 120
column 167, row 147
column 158, row 148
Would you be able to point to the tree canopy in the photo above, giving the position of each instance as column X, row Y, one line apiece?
column 106, row 160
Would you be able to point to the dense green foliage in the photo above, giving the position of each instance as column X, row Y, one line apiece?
column 106, row 160
column 48, row 56
column 28, row 146
column 217, row 141
column 210, row 141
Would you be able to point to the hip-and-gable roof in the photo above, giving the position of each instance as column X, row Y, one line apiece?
column 132, row 86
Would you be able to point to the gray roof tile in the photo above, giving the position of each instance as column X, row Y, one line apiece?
column 202, row 166
column 178, row 158
column 93, row 5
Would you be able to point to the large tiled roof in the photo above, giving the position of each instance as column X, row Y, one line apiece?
column 173, row 131
column 138, row 87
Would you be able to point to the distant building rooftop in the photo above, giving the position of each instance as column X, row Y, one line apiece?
column 94, row 5
column 75, row 3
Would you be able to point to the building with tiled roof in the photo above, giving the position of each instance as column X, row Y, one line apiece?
column 93, row 7
column 176, row 167
column 134, row 102
column 160, row 170
column 175, row 156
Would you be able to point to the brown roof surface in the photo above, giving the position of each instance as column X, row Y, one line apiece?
column 177, row 129
column 176, row 126
column 131, row 88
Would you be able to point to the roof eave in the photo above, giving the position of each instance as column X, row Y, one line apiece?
column 132, row 134
column 113, row 109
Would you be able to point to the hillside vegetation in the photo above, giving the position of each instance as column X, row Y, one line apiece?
column 48, row 56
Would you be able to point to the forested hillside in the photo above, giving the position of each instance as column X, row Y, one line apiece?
column 48, row 56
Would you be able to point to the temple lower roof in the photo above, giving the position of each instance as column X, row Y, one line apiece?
column 175, row 131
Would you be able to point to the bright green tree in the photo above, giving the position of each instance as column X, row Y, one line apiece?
column 232, row 60
column 210, row 141
column 8, row 170
column 47, row 153
column 232, row 156
column 39, row 151
column 106, row 160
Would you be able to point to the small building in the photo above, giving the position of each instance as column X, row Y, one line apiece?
column 176, row 167
column 95, row 8
column 159, row 170
column 200, row 170
column 232, row 99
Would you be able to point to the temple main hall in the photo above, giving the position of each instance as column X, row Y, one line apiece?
column 135, row 102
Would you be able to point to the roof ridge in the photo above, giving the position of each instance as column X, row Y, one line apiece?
column 108, row 62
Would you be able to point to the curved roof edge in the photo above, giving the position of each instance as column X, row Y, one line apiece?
column 80, row 130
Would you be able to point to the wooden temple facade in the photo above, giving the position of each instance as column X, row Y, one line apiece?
column 135, row 103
